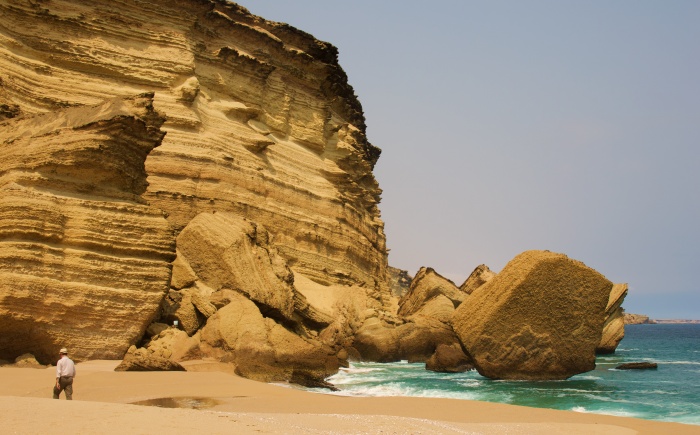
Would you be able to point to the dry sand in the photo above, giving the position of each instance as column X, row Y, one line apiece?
column 102, row 400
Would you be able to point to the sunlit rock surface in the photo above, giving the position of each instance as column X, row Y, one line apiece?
column 541, row 317
column 84, row 261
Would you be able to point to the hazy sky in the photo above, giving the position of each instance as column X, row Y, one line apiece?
column 514, row 125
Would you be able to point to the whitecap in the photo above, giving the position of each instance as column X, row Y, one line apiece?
column 579, row 409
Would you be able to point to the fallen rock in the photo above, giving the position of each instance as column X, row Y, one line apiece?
column 614, row 326
column 262, row 349
column 430, row 295
column 449, row 359
column 27, row 360
column 480, row 276
column 637, row 366
column 541, row 317
column 147, row 363
column 414, row 341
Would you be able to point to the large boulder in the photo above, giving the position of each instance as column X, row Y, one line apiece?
column 415, row 340
column 221, row 252
column 261, row 348
column 541, row 317
column 449, row 359
column 614, row 326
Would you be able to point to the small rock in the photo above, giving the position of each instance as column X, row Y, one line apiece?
column 147, row 363
column 26, row 360
column 637, row 366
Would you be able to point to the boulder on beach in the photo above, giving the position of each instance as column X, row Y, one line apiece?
column 449, row 359
column 541, row 317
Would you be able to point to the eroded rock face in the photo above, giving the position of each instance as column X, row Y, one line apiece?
column 84, row 261
column 541, row 317
column 614, row 326
column 260, row 118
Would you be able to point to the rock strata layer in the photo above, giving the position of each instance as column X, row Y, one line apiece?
column 84, row 261
column 541, row 317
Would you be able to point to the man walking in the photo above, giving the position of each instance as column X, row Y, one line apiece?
column 65, row 372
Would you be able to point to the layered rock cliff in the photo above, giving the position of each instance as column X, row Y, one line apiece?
column 259, row 116
column 84, row 261
column 255, row 118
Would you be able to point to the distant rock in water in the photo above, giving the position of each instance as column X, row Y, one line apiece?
column 614, row 327
column 637, row 366
column 636, row 319
column 541, row 317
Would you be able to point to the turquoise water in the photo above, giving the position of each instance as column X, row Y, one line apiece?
column 671, row 393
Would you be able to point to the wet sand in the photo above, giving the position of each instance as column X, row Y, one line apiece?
column 214, row 401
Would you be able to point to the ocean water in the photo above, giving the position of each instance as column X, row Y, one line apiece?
column 670, row 393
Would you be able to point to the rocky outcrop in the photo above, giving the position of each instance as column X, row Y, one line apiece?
column 222, row 251
column 449, row 359
column 84, row 261
column 413, row 340
column 541, row 317
column 614, row 326
column 261, row 348
column 431, row 296
column 423, row 313
column 480, row 276
column 636, row 319
column 260, row 118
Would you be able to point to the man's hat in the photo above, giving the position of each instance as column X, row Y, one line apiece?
column 63, row 350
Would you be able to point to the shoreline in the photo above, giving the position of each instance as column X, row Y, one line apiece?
column 103, row 405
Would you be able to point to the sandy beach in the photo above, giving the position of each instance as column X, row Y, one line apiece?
column 103, row 403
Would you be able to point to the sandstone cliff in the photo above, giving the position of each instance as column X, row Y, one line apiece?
column 250, row 117
column 84, row 261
